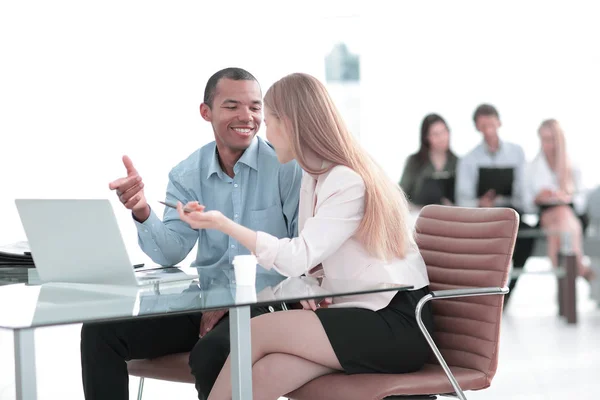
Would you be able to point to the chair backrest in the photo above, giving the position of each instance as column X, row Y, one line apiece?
column 465, row 248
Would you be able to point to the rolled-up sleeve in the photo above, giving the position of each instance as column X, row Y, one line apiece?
column 169, row 241
column 338, row 213
column 519, row 198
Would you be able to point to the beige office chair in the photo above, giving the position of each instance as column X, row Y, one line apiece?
column 467, row 252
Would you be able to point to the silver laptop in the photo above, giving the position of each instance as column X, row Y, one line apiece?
column 79, row 241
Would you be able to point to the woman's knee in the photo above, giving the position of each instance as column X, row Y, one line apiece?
column 263, row 370
column 565, row 213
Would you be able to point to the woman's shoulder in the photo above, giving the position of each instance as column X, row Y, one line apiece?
column 340, row 177
column 413, row 160
column 343, row 173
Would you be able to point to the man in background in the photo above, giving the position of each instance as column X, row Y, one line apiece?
column 494, row 153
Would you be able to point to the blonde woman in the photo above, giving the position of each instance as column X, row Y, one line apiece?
column 555, row 190
column 351, row 226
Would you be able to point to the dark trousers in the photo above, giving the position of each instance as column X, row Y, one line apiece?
column 105, row 348
column 523, row 249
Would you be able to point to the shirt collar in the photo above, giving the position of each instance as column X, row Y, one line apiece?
column 250, row 158
column 487, row 151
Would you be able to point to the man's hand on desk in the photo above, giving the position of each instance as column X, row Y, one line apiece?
column 130, row 190
column 209, row 320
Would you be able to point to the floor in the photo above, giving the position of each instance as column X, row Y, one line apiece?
column 541, row 356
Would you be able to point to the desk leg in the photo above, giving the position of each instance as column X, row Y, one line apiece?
column 25, row 382
column 569, row 281
column 570, row 289
column 241, row 358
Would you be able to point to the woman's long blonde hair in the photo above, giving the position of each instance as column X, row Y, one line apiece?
column 315, row 126
column 562, row 166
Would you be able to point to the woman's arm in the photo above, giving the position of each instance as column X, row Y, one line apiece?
column 199, row 219
column 338, row 214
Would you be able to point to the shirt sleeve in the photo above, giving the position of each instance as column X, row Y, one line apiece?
column 530, row 189
column 466, row 182
column 169, row 241
column 519, row 189
column 338, row 213
column 290, row 178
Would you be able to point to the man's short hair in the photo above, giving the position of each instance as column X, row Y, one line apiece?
column 485, row 110
column 236, row 74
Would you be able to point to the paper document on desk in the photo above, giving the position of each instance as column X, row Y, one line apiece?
column 164, row 274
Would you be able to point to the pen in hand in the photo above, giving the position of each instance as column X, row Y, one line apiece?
column 174, row 206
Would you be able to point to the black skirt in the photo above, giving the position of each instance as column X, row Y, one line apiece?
column 583, row 218
column 384, row 341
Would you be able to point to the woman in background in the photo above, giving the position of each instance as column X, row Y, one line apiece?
column 428, row 175
column 554, row 189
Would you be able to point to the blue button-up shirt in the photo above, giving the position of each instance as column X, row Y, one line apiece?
column 263, row 196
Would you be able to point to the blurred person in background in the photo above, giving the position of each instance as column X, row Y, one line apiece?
column 428, row 176
column 554, row 189
column 495, row 153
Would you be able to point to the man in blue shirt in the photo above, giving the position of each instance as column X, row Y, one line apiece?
column 237, row 174
column 494, row 153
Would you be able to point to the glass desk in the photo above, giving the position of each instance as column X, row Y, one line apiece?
column 49, row 304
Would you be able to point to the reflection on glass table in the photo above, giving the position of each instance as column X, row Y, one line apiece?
column 50, row 304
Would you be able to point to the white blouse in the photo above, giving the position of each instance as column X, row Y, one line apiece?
column 540, row 176
column 330, row 211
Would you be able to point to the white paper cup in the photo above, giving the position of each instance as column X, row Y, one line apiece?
column 245, row 270
column 245, row 294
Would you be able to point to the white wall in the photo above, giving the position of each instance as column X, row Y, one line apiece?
column 532, row 59
column 83, row 83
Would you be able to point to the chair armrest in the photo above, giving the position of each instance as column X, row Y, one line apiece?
column 450, row 294
column 453, row 293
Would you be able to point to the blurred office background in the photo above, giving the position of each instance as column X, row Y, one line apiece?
column 83, row 83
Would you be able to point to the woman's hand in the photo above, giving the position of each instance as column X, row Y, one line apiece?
column 544, row 196
column 314, row 304
column 194, row 214
column 446, row 202
column 563, row 197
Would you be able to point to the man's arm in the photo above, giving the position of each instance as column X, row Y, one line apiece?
column 466, row 183
column 290, row 179
column 531, row 191
column 519, row 200
column 169, row 241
